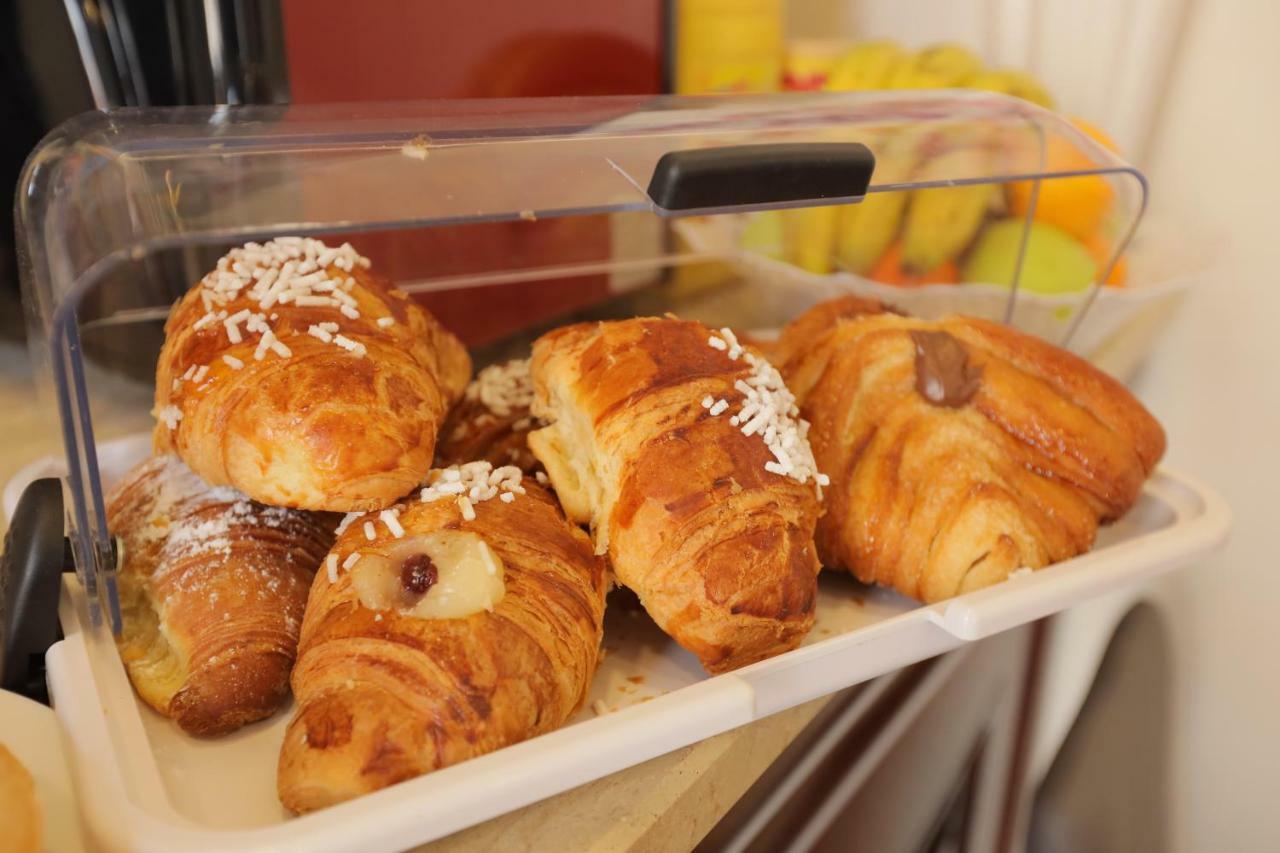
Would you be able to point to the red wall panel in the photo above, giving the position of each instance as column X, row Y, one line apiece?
column 391, row 50
column 386, row 50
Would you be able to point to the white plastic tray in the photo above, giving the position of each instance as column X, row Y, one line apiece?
column 31, row 732
column 146, row 786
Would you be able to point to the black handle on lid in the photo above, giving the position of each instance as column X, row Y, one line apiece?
column 757, row 175
column 30, row 574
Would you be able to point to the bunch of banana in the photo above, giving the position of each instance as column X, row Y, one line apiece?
column 864, row 231
column 932, row 227
column 810, row 234
column 941, row 222
column 885, row 64
column 763, row 234
column 1009, row 82
column 941, row 66
column 868, row 65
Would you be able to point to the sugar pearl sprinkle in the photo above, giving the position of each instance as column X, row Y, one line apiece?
column 503, row 388
column 297, row 270
column 170, row 415
column 467, row 485
column 390, row 517
column 347, row 521
column 472, row 483
column 768, row 409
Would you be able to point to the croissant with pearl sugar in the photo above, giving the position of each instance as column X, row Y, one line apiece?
column 296, row 375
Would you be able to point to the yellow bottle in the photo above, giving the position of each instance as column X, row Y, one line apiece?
column 724, row 46
column 729, row 46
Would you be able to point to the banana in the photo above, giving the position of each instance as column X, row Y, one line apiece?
column 909, row 77
column 865, row 230
column 810, row 235
column 764, row 234
column 866, row 66
column 941, row 66
column 952, row 61
column 936, row 224
column 1016, row 83
column 942, row 221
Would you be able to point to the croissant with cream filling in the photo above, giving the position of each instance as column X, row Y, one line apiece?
column 464, row 624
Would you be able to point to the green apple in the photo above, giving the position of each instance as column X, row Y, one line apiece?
column 1055, row 261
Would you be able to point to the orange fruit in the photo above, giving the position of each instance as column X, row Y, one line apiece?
column 1101, row 249
column 1076, row 205
column 889, row 270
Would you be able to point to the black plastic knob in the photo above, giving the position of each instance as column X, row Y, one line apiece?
column 30, row 575
column 755, row 176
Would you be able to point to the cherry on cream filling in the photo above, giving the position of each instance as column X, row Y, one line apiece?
column 447, row 574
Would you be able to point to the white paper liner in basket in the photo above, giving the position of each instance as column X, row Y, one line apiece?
column 1116, row 334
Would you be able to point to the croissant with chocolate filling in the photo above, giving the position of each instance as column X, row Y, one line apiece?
column 492, row 421
column 958, row 450
column 212, row 588
column 681, row 449
column 465, row 624
column 296, row 375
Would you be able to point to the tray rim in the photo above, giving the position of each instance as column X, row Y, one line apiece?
column 438, row 804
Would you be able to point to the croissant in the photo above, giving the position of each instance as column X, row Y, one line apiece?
column 959, row 450
column 442, row 629
column 492, row 421
column 212, row 588
column 20, row 812
column 297, row 376
column 681, row 449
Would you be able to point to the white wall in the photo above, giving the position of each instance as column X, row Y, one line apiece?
column 1215, row 381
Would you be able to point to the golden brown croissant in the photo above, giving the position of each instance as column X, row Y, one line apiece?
column 296, row 375
column 679, row 447
column 20, row 813
column 212, row 589
column 463, row 625
column 492, row 421
column 959, row 450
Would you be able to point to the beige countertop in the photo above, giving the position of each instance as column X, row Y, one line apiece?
column 29, row 427
column 668, row 803
column 25, row 430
